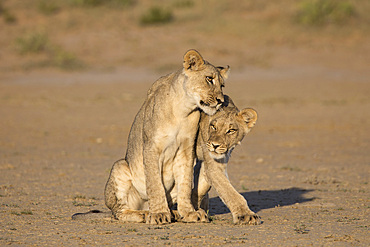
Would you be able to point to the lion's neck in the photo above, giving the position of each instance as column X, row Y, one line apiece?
column 182, row 102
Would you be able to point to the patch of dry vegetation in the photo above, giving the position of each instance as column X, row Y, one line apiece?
column 127, row 32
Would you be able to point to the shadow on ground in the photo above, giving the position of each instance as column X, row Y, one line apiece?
column 263, row 199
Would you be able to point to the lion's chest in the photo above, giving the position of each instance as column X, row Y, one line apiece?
column 177, row 146
column 179, row 138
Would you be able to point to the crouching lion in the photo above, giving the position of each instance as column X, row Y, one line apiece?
column 218, row 135
column 157, row 171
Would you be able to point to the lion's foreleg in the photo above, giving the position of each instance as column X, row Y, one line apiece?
column 183, row 171
column 159, row 213
column 216, row 173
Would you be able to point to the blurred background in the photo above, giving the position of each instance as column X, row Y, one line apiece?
column 106, row 35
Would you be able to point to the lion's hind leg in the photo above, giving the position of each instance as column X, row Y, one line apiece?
column 121, row 197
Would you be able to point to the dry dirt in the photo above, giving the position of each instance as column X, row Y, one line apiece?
column 304, row 168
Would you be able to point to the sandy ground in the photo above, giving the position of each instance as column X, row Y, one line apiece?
column 304, row 168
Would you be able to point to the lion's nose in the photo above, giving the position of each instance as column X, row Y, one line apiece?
column 215, row 145
column 220, row 98
column 219, row 102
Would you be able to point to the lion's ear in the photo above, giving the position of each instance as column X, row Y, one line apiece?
column 224, row 71
column 193, row 60
column 249, row 116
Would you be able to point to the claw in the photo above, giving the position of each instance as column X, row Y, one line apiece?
column 159, row 218
column 253, row 219
column 196, row 216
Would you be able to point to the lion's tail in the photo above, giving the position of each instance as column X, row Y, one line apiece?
column 93, row 215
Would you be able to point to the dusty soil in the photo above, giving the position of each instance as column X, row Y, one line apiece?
column 304, row 168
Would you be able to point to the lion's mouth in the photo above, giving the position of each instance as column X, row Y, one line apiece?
column 214, row 107
column 204, row 103
column 217, row 151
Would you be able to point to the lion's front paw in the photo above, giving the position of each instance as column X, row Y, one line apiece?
column 195, row 216
column 247, row 219
column 159, row 218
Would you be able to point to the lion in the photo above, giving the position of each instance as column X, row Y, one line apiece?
column 157, row 170
column 218, row 136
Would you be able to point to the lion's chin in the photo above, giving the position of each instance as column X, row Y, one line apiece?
column 209, row 110
column 217, row 156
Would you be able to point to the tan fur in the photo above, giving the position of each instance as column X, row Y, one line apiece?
column 158, row 168
column 218, row 136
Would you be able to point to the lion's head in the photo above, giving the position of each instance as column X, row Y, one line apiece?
column 204, row 82
column 227, row 129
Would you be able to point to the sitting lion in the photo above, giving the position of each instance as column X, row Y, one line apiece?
column 158, row 168
column 218, row 135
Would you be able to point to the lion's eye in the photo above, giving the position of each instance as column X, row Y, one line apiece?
column 231, row 131
column 209, row 79
column 212, row 127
